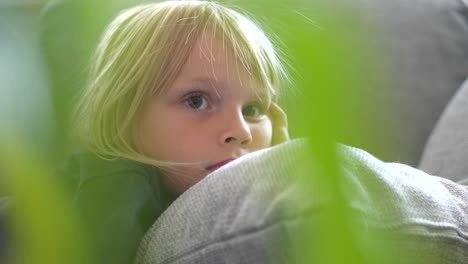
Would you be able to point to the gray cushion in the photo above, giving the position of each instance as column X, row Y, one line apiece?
column 248, row 212
column 229, row 217
column 446, row 153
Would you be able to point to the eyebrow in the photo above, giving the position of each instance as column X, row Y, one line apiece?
column 204, row 82
column 260, row 94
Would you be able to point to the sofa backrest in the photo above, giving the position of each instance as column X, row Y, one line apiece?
column 446, row 152
column 424, row 44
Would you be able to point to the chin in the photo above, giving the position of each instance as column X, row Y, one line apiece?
column 177, row 184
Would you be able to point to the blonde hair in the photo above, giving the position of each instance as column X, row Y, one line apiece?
column 141, row 53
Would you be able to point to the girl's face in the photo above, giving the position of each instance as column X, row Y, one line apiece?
column 209, row 116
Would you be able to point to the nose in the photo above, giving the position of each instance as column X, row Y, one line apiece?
column 236, row 130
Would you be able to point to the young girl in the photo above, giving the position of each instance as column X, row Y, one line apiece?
column 177, row 90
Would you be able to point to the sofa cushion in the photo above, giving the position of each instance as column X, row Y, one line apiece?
column 446, row 153
column 272, row 207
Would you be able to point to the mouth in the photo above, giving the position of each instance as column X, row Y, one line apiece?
column 219, row 165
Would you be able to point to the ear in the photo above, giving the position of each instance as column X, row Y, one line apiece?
column 279, row 123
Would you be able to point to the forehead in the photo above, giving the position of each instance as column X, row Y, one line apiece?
column 213, row 60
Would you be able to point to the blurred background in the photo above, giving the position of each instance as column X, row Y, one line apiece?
column 364, row 73
column 45, row 48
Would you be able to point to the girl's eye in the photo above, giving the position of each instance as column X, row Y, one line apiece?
column 252, row 111
column 197, row 102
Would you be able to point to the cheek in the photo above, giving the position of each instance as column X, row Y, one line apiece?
column 172, row 138
column 156, row 133
column 162, row 141
column 262, row 134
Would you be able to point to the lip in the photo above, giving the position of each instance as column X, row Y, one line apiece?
column 219, row 164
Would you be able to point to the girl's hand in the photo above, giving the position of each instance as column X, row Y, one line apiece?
column 279, row 123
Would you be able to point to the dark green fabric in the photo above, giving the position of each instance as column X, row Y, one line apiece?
column 6, row 204
column 118, row 200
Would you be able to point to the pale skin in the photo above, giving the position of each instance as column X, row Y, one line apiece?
column 209, row 116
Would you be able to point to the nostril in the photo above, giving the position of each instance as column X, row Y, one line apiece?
column 229, row 139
